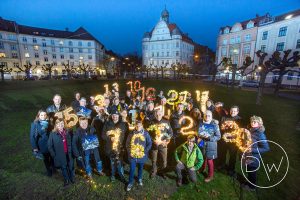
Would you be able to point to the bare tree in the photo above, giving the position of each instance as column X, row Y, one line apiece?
column 85, row 68
column 26, row 69
column 4, row 69
column 68, row 69
column 48, row 68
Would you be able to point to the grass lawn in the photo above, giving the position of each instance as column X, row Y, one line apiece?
column 23, row 177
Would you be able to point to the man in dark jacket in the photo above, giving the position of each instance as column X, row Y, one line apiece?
column 113, row 134
column 161, row 133
column 138, row 145
column 176, row 127
column 75, row 104
column 85, row 143
column 149, row 114
column 53, row 109
column 231, row 147
column 128, row 98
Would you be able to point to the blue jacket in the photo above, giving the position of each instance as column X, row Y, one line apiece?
column 146, row 143
column 260, row 145
column 210, row 143
column 39, row 136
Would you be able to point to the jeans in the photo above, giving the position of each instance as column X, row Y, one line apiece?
column 133, row 164
column 116, row 165
column 192, row 173
column 88, row 167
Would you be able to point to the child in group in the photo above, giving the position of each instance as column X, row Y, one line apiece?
column 85, row 143
column 138, row 145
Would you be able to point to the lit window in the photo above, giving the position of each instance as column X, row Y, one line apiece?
column 26, row 55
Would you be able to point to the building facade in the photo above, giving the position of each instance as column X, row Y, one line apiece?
column 265, row 33
column 166, row 44
column 21, row 45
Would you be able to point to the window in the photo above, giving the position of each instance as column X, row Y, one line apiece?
column 34, row 40
column 298, row 44
column 223, row 51
column 71, row 50
column 263, row 48
column 70, row 43
column 53, row 49
column 80, row 50
column 280, row 46
column 61, row 49
column 62, row 56
column 24, row 39
column 36, row 55
column 16, row 64
column 282, row 31
column 37, row 62
column 247, row 49
column 54, row 56
column 44, row 44
column 290, row 76
column 177, row 44
column 152, row 54
column 89, row 50
column 177, row 53
column 36, row 47
column 232, row 40
column 90, row 44
column 61, row 43
column 265, row 35
column 162, row 46
column 225, row 41
column 1, row 45
column 248, row 37
column 46, row 59
column 1, row 36
column 80, row 43
column 15, row 55
column 25, row 47
column 90, row 57
column 45, row 52
column 13, row 47
column 55, row 63
column 250, row 25
column 226, row 30
column 157, row 54
column 238, row 39
column 11, row 37
column 168, row 54
column 71, row 56
column 52, row 42
column 162, row 54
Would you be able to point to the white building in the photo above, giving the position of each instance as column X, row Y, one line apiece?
column 280, row 33
column 166, row 44
column 20, row 45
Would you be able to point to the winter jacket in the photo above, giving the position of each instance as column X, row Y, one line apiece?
column 260, row 145
column 189, row 159
column 146, row 143
column 107, row 133
column 39, row 135
column 75, row 105
column 174, row 121
column 84, row 142
column 56, row 149
column 210, row 143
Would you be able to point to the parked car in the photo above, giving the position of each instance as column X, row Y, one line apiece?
column 249, row 84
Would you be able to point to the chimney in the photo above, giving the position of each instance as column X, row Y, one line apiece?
column 257, row 15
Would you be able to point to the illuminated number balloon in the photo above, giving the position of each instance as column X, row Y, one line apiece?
column 204, row 98
column 189, row 125
column 100, row 100
column 137, row 85
column 171, row 100
column 116, row 87
column 244, row 140
column 70, row 119
column 150, row 94
column 137, row 150
column 131, row 85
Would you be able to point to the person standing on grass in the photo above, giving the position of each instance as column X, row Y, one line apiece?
column 209, row 132
column 113, row 134
column 138, row 145
column 260, row 146
column 85, row 143
column 75, row 104
column 39, row 134
column 60, row 148
column 231, row 147
column 53, row 109
column 188, row 157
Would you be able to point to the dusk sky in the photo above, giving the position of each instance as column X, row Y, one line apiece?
column 120, row 24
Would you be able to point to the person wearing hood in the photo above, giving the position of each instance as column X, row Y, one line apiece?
column 138, row 145
column 85, row 143
column 252, row 157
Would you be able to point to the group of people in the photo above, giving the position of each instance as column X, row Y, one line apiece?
column 128, row 130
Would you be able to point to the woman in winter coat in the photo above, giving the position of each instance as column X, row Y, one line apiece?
column 39, row 134
column 259, row 146
column 138, row 145
column 60, row 148
column 209, row 132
